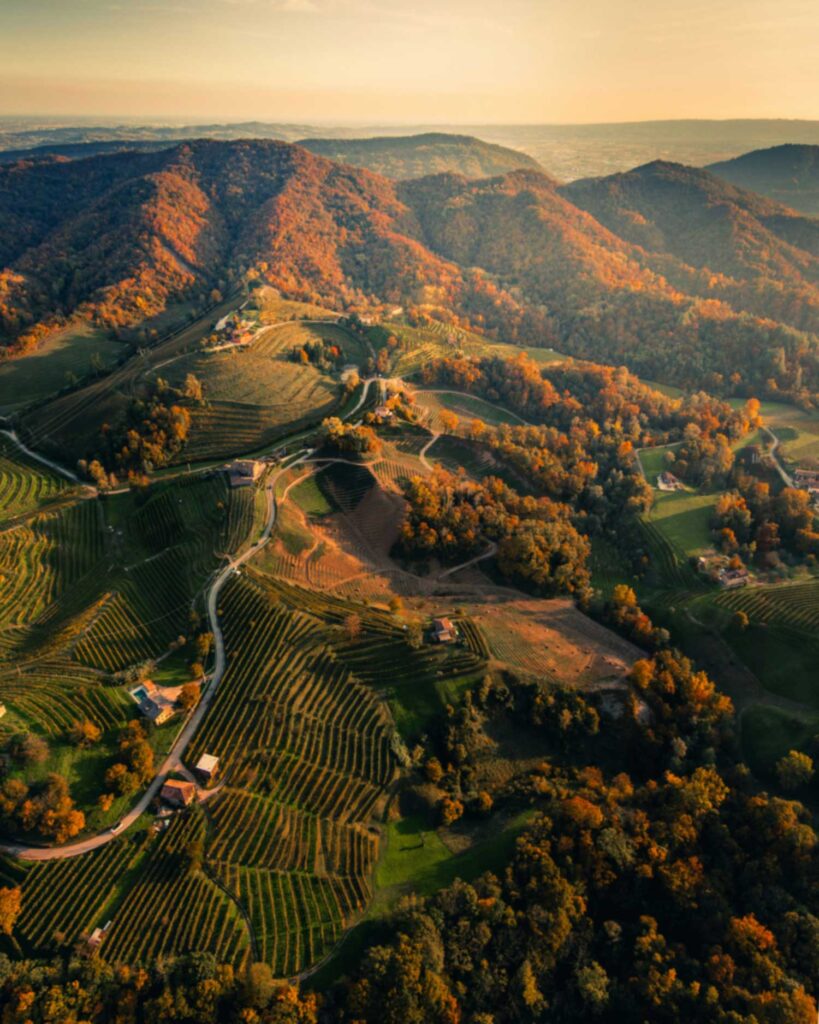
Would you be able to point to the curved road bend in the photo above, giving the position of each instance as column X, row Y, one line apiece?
column 62, row 470
column 173, row 759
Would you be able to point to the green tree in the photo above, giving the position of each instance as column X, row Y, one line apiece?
column 794, row 770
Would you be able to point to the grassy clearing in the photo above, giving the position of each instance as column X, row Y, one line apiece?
column 664, row 389
column 544, row 356
column 416, row 860
column 797, row 430
column 310, row 498
column 653, row 461
column 466, row 407
column 769, row 732
column 64, row 358
column 272, row 308
column 683, row 517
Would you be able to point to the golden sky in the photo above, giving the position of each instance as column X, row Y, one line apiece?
column 424, row 61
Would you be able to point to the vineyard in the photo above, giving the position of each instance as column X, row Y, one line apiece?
column 65, row 899
column 287, row 851
column 792, row 605
column 91, row 587
column 257, row 393
column 306, row 753
column 174, row 906
column 25, row 485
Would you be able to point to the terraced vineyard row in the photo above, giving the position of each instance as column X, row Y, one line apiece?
column 306, row 752
column 667, row 565
column 64, row 898
column 25, row 484
column 54, row 694
column 40, row 559
column 793, row 605
column 173, row 908
column 224, row 428
column 296, row 917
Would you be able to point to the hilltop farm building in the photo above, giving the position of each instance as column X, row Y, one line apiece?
column 178, row 792
column 153, row 704
column 244, row 472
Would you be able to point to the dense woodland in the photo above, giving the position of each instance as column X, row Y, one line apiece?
column 575, row 464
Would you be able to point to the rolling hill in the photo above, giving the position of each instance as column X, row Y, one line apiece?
column 756, row 254
column 415, row 156
column 666, row 269
column 693, row 215
column 789, row 174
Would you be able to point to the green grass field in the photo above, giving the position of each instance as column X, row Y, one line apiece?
column 65, row 357
column 768, row 733
column 797, row 430
column 683, row 517
column 465, row 407
column 310, row 498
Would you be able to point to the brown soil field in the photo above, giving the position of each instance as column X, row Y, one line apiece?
column 552, row 638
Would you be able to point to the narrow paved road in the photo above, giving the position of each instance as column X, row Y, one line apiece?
column 173, row 760
column 422, row 455
column 787, row 479
column 62, row 470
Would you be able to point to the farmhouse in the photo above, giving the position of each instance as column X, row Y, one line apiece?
column 207, row 768
column 96, row 937
column 443, row 631
column 806, row 478
column 383, row 412
column 668, row 482
column 730, row 579
column 153, row 704
column 178, row 793
column 244, row 472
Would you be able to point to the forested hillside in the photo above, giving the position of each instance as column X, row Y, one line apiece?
column 666, row 269
column 788, row 173
column 414, row 156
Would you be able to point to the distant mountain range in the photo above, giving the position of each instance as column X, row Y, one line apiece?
column 788, row 173
column 410, row 156
column 413, row 156
column 666, row 268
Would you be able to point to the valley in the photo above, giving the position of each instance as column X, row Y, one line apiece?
column 313, row 695
column 367, row 544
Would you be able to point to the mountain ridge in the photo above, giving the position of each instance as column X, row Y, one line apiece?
column 666, row 268
column 788, row 173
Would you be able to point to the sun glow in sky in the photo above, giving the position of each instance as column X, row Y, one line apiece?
column 421, row 61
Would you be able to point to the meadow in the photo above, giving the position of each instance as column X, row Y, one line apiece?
column 64, row 358
column 682, row 517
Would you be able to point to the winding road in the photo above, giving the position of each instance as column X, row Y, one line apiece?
column 787, row 479
column 12, row 436
column 173, row 760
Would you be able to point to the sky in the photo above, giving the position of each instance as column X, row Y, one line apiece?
column 410, row 61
